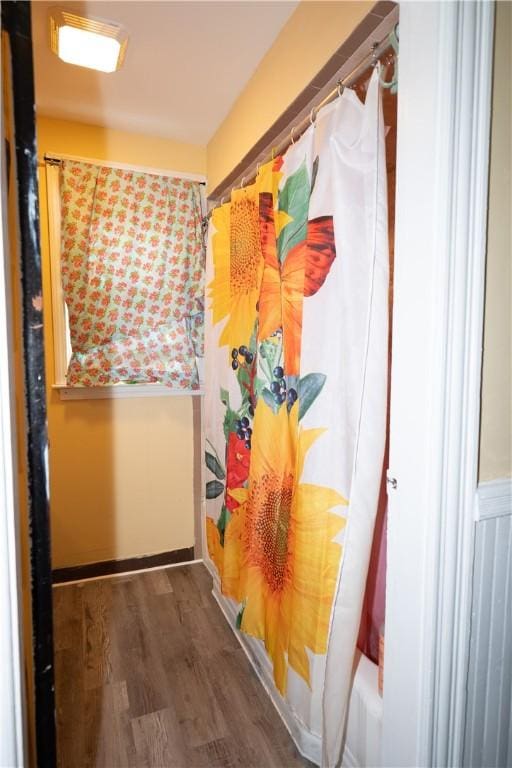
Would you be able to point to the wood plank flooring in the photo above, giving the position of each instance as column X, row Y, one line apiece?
column 149, row 675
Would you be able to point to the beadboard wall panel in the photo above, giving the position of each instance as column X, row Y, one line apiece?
column 488, row 738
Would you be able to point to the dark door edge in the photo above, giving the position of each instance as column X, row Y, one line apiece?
column 17, row 24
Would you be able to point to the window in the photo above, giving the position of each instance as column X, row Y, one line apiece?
column 127, row 267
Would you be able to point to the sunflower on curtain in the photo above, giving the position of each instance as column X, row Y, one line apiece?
column 132, row 267
column 273, row 544
column 295, row 411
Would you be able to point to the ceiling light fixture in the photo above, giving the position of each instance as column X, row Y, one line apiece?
column 91, row 43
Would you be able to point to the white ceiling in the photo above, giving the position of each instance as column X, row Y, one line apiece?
column 185, row 64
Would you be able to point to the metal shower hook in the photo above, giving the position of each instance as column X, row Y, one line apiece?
column 375, row 58
column 342, row 84
column 392, row 84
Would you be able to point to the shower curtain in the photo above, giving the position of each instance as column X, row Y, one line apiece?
column 295, row 409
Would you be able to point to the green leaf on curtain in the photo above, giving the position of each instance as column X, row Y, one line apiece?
column 244, row 382
column 308, row 390
column 214, row 489
column 269, row 399
column 229, row 422
column 224, row 396
column 294, row 199
column 214, row 466
column 240, row 616
column 224, row 518
column 271, row 354
column 259, row 385
column 293, row 383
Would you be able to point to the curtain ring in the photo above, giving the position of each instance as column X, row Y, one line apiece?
column 340, row 87
column 222, row 200
column 291, row 134
column 242, row 182
column 312, row 116
column 375, row 59
column 273, row 153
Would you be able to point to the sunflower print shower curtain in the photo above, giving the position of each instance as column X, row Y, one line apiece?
column 295, row 409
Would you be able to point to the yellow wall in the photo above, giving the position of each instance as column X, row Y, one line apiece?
column 496, row 427
column 121, row 471
column 69, row 138
column 306, row 42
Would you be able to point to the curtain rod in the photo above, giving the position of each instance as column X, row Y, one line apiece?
column 371, row 59
column 51, row 158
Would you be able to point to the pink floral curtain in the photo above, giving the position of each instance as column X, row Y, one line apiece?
column 132, row 265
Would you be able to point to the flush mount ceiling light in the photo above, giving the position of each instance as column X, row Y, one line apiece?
column 92, row 43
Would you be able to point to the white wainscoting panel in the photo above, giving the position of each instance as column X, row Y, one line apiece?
column 494, row 499
column 488, row 737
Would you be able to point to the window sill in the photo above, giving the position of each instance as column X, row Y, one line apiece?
column 122, row 390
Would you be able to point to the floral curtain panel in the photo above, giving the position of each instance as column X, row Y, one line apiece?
column 296, row 367
column 132, row 265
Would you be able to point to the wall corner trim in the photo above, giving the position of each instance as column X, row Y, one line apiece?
column 439, row 295
column 494, row 499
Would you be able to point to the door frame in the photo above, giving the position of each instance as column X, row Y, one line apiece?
column 12, row 704
column 16, row 24
column 444, row 108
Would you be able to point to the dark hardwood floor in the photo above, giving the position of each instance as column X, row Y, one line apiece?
column 149, row 675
